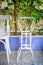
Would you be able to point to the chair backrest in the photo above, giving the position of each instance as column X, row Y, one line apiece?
column 4, row 24
column 24, row 26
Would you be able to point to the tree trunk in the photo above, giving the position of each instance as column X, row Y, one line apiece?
column 0, row 11
column 30, row 13
column 15, row 24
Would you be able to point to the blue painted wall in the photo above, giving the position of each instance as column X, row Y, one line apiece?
column 37, row 43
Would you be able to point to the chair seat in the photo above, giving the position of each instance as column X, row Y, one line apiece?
column 3, row 35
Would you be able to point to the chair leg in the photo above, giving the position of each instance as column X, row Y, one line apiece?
column 18, row 54
column 7, row 48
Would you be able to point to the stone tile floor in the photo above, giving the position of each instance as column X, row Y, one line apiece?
column 25, row 58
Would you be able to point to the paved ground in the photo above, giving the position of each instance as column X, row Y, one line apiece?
column 25, row 58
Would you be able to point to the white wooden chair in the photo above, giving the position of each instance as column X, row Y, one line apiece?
column 26, row 45
column 5, row 34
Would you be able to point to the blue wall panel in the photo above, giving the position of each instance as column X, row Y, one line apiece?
column 37, row 43
column 14, row 43
column 2, row 47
